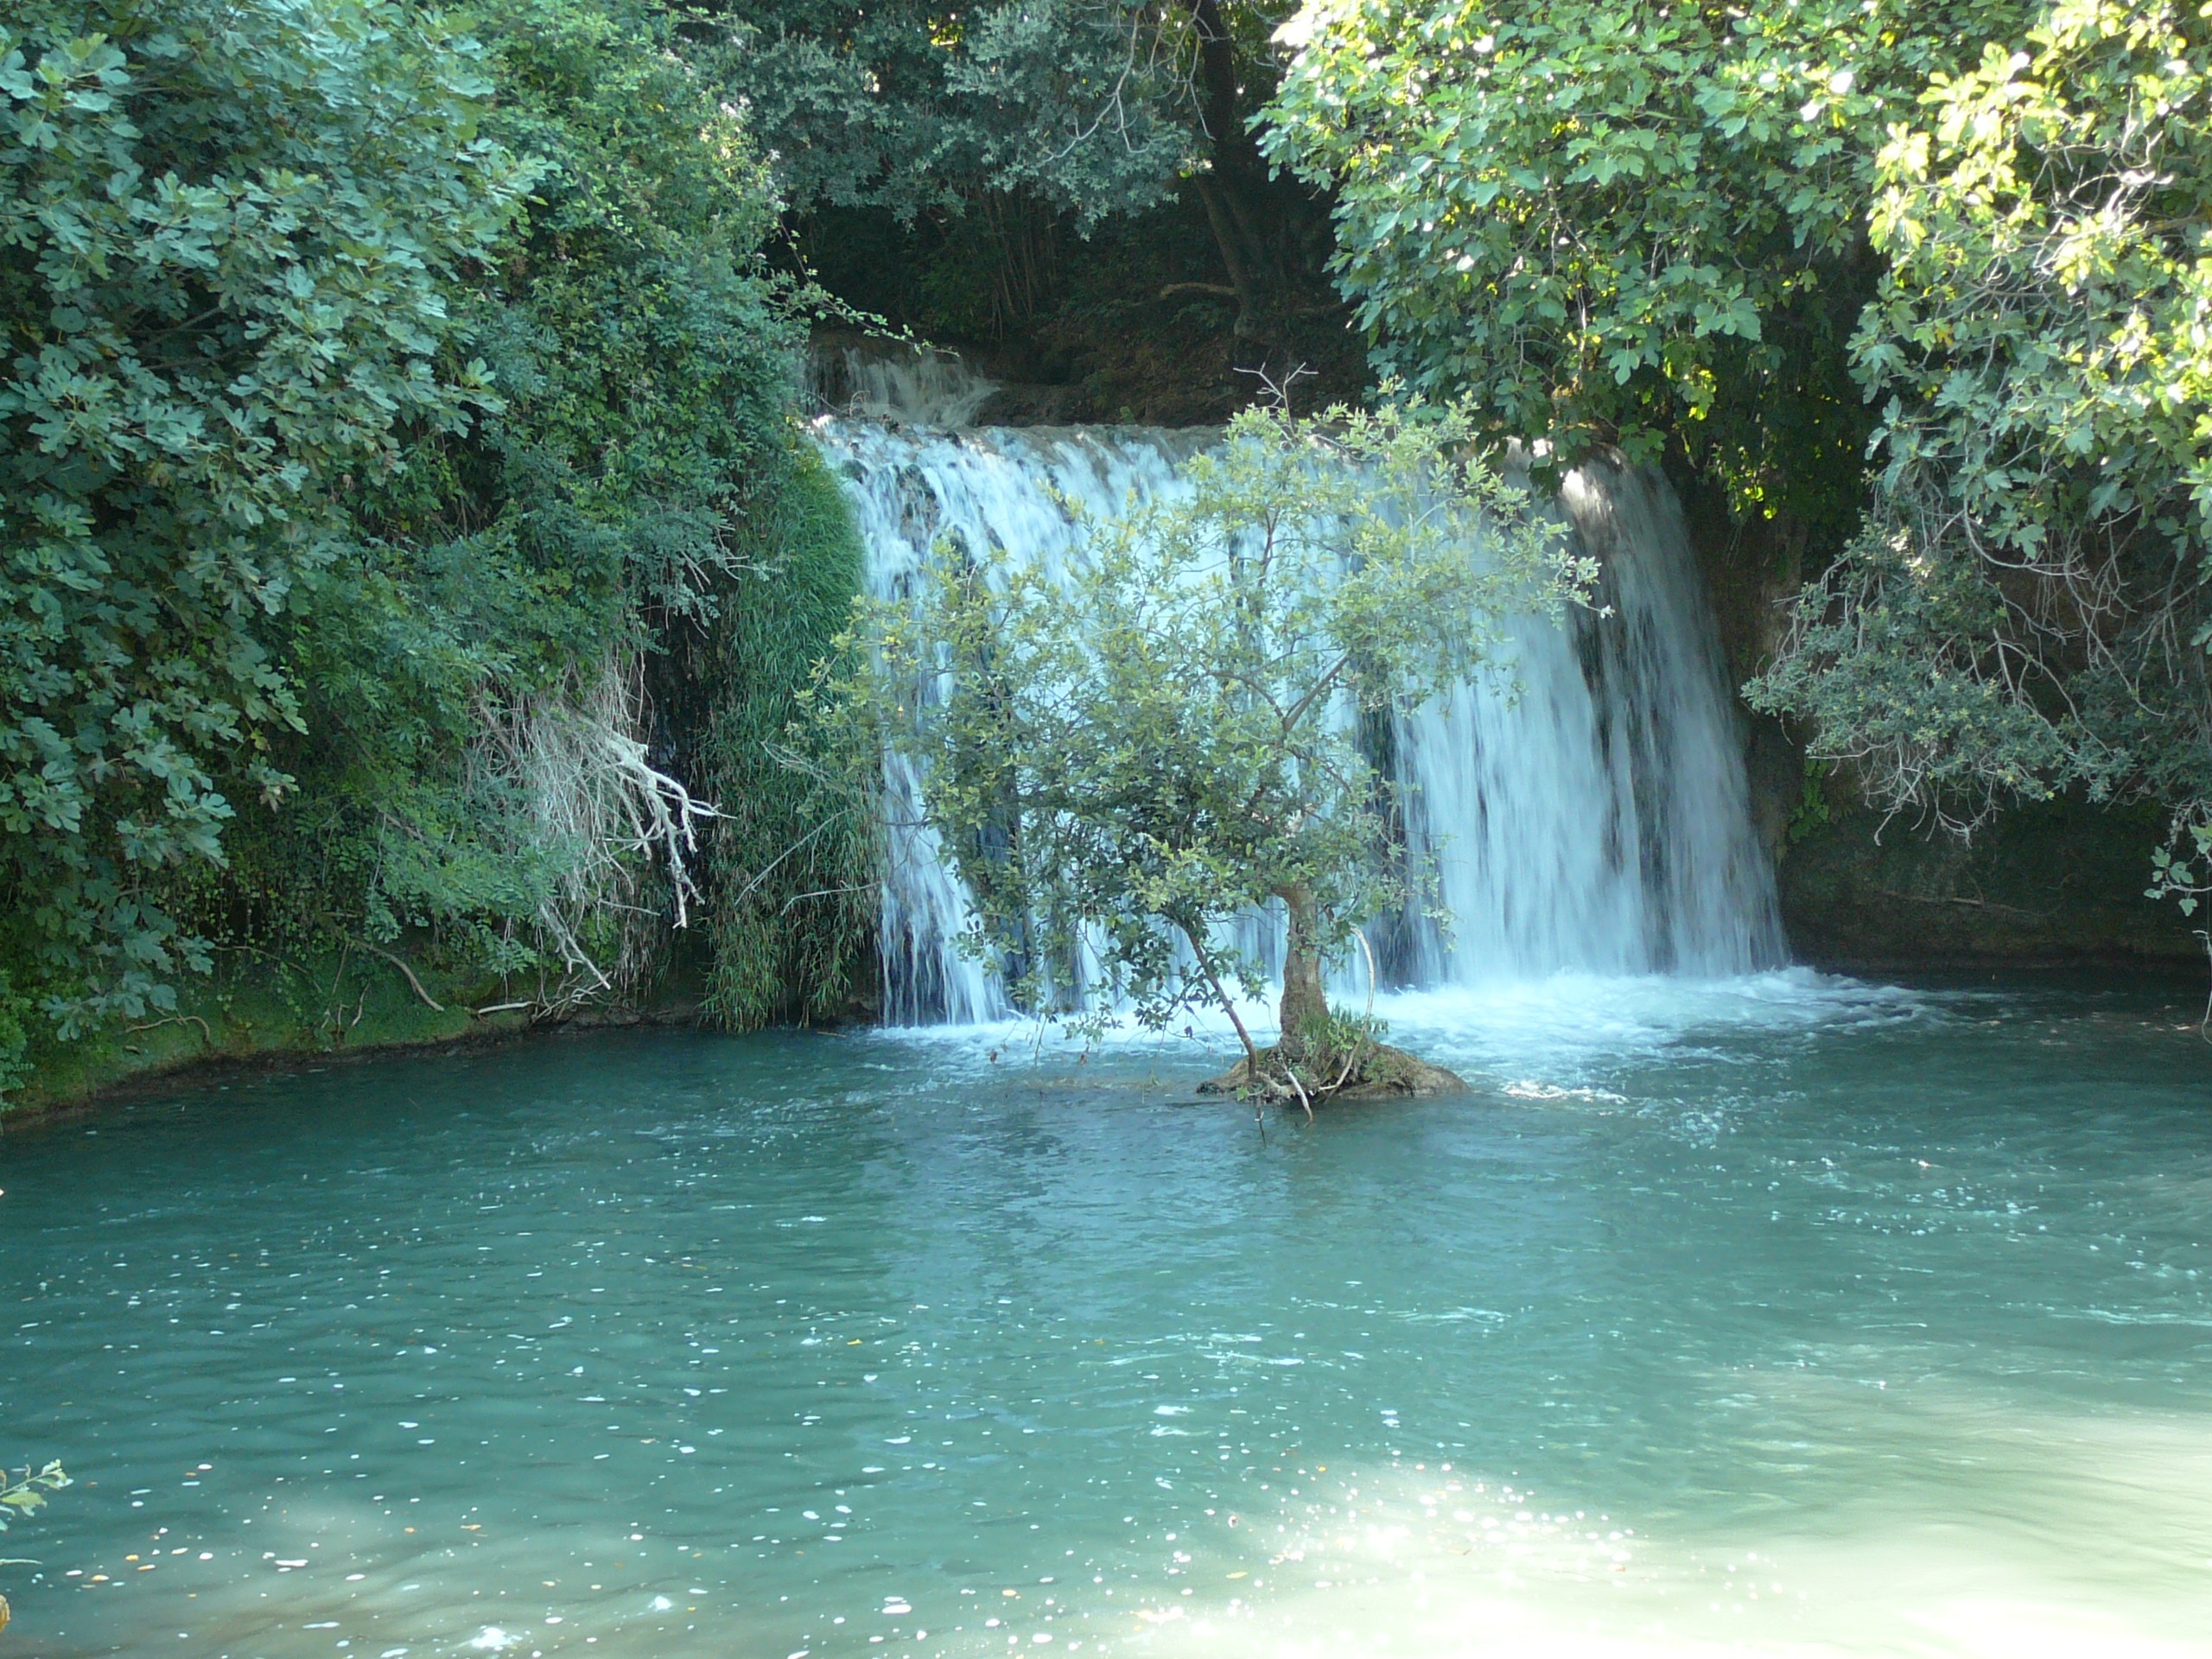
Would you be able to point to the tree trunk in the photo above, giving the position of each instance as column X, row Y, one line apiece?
column 1226, row 241
column 1232, row 190
column 1304, row 1002
column 1274, row 234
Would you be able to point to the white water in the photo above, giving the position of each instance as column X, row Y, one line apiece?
column 1600, row 820
column 1587, row 808
column 921, row 386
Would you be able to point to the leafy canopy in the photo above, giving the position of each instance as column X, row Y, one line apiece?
column 2025, row 608
column 1093, row 105
column 482, row 650
column 1620, row 222
column 381, row 402
column 226, row 235
column 1125, row 756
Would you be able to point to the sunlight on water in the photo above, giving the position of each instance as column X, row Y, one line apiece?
column 1782, row 1315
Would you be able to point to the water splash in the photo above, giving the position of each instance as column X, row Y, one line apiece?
column 921, row 385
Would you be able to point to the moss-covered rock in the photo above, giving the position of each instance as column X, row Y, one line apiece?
column 253, row 1009
column 1387, row 1072
column 2058, row 881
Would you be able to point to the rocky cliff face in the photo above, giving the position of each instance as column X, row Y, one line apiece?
column 2052, row 882
column 2047, row 883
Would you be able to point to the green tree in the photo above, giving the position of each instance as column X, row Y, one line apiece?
column 2025, row 609
column 227, row 235
column 1769, row 243
column 1125, row 756
column 529, row 448
column 487, row 763
column 1086, row 108
column 1622, row 221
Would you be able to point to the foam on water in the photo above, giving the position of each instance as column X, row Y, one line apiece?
column 1537, row 1033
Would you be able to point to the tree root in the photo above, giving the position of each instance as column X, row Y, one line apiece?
column 1382, row 1072
column 207, row 1036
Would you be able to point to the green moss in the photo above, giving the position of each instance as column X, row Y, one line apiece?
column 2057, row 881
column 251, row 1007
column 791, row 910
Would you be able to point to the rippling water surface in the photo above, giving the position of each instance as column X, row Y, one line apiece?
column 1785, row 1315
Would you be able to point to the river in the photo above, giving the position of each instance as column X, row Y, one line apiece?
column 1779, row 1313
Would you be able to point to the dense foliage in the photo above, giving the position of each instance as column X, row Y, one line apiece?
column 1766, row 242
column 477, row 761
column 227, row 237
column 1126, row 754
column 1621, row 221
column 2025, row 608
column 1008, row 124
column 913, row 108
column 388, row 393
column 793, row 900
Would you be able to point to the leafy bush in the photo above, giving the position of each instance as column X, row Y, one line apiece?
column 2025, row 610
column 1622, row 221
column 16, row 1020
column 486, row 762
column 386, row 400
column 227, row 237
column 793, row 897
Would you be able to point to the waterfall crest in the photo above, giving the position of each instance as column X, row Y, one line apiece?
column 1586, row 808
column 922, row 385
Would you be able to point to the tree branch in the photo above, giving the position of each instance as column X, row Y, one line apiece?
column 1205, row 967
column 377, row 950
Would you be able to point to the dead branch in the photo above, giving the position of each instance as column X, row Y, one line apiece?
column 429, row 1001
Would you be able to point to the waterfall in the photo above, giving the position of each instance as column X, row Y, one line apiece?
column 1597, row 817
column 920, row 386
column 1586, row 808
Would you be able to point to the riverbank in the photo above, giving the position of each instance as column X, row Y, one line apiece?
column 253, row 1016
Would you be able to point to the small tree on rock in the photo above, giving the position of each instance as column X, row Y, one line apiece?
column 1125, row 755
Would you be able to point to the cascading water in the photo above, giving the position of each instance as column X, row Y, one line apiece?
column 911, row 488
column 1585, row 807
column 922, row 386
column 1594, row 815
